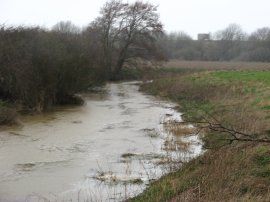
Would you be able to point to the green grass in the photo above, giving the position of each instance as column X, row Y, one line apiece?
column 262, row 162
column 255, row 83
column 246, row 75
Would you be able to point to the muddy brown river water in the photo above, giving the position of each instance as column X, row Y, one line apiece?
column 107, row 150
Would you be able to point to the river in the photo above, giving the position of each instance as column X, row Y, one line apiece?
column 106, row 150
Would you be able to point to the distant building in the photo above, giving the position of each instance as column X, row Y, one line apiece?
column 203, row 37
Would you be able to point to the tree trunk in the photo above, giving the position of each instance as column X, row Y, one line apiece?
column 120, row 62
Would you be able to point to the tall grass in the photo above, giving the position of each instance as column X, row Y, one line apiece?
column 229, row 170
column 228, row 174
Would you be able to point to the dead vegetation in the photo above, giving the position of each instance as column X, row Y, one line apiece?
column 232, row 173
column 215, row 65
column 227, row 107
column 180, row 129
column 232, row 110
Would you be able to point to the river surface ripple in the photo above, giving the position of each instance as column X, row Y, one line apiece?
column 106, row 150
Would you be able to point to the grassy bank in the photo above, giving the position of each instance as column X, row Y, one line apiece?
column 230, row 170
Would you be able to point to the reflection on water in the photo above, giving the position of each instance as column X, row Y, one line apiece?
column 107, row 150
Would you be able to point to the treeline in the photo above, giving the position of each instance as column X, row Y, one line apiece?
column 231, row 43
column 42, row 67
column 39, row 68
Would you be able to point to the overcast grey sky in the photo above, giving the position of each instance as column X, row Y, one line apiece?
column 191, row 16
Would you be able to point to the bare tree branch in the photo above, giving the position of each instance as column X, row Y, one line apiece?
column 235, row 135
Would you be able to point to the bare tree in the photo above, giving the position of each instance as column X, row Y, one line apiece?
column 66, row 27
column 262, row 34
column 126, row 30
column 108, row 26
column 233, row 32
column 229, row 41
column 175, row 44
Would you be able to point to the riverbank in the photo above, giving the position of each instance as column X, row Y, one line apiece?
column 236, row 166
column 9, row 112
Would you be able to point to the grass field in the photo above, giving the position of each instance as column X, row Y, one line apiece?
column 239, row 100
column 205, row 65
column 251, row 75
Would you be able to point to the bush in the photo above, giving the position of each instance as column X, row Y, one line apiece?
column 7, row 114
column 40, row 68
